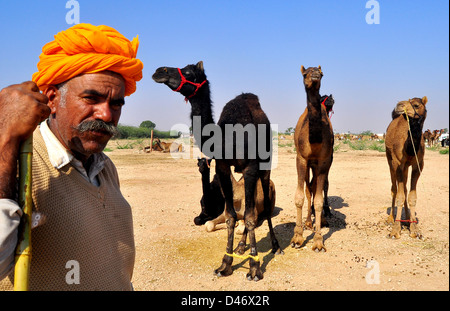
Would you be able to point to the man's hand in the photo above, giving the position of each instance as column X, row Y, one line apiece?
column 22, row 108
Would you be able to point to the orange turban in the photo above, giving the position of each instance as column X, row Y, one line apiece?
column 85, row 48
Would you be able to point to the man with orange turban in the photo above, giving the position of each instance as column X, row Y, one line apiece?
column 83, row 236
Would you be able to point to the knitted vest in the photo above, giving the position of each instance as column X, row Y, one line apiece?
column 88, row 234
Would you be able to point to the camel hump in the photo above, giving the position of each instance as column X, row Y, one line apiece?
column 249, row 99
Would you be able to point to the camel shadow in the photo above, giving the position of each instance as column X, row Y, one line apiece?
column 285, row 232
column 335, row 222
column 265, row 244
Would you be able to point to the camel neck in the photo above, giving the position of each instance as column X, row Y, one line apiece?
column 201, row 106
column 314, row 105
column 205, row 182
column 416, row 126
column 314, row 117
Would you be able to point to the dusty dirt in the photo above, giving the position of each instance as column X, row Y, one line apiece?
column 173, row 254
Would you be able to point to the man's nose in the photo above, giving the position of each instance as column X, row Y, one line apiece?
column 103, row 112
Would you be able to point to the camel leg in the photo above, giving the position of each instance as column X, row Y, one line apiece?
column 412, row 199
column 391, row 217
column 230, row 214
column 298, row 239
column 250, row 218
column 400, row 175
column 240, row 249
column 212, row 225
column 326, row 205
column 265, row 183
column 318, row 205
column 308, row 191
column 392, row 171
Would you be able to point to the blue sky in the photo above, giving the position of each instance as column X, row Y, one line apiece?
column 259, row 47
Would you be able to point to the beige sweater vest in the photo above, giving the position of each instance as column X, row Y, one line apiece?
column 87, row 242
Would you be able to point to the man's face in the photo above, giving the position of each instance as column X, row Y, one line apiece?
column 89, row 97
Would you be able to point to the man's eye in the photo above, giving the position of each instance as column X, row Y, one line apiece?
column 90, row 99
column 117, row 106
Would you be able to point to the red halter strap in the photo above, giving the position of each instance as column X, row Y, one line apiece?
column 323, row 103
column 184, row 81
column 331, row 111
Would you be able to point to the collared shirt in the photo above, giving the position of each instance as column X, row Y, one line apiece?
column 59, row 156
column 10, row 211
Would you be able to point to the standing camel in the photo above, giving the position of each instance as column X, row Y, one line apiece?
column 402, row 151
column 242, row 112
column 213, row 202
column 314, row 141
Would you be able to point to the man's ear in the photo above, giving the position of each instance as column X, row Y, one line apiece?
column 53, row 95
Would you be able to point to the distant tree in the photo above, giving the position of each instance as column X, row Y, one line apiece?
column 367, row 133
column 289, row 130
column 148, row 124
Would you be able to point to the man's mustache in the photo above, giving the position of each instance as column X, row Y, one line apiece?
column 97, row 125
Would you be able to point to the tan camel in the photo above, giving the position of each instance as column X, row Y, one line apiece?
column 314, row 141
column 405, row 147
column 159, row 145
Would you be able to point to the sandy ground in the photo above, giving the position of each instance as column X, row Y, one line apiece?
column 173, row 254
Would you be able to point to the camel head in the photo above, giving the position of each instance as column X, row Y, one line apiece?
column 204, row 165
column 415, row 108
column 187, row 81
column 328, row 101
column 212, row 202
column 312, row 77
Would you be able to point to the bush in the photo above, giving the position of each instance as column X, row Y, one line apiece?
column 126, row 131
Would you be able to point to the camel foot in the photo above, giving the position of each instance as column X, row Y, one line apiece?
column 225, row 268
column 318, row 244
column 297, row 241
column 209, row 226
column 308, row 224
column 276, row 249
column 415, row 232
column 395, row 232
column 255, row 273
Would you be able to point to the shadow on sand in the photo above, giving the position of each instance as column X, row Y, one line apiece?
column 285, row 232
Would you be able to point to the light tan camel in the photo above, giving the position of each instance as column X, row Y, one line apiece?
column 405, row 147
column 314, row 141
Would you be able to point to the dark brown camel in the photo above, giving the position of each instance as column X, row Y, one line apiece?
column 314, row 141
column 213, row 200
column 238, row 150
column 403, row 152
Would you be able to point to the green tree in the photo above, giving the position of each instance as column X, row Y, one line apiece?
column 289, row 130
column 148, row 124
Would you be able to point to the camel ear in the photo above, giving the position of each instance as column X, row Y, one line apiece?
column 424, row 100
column 302, row 69
column 200, row 65
column 320, row 69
